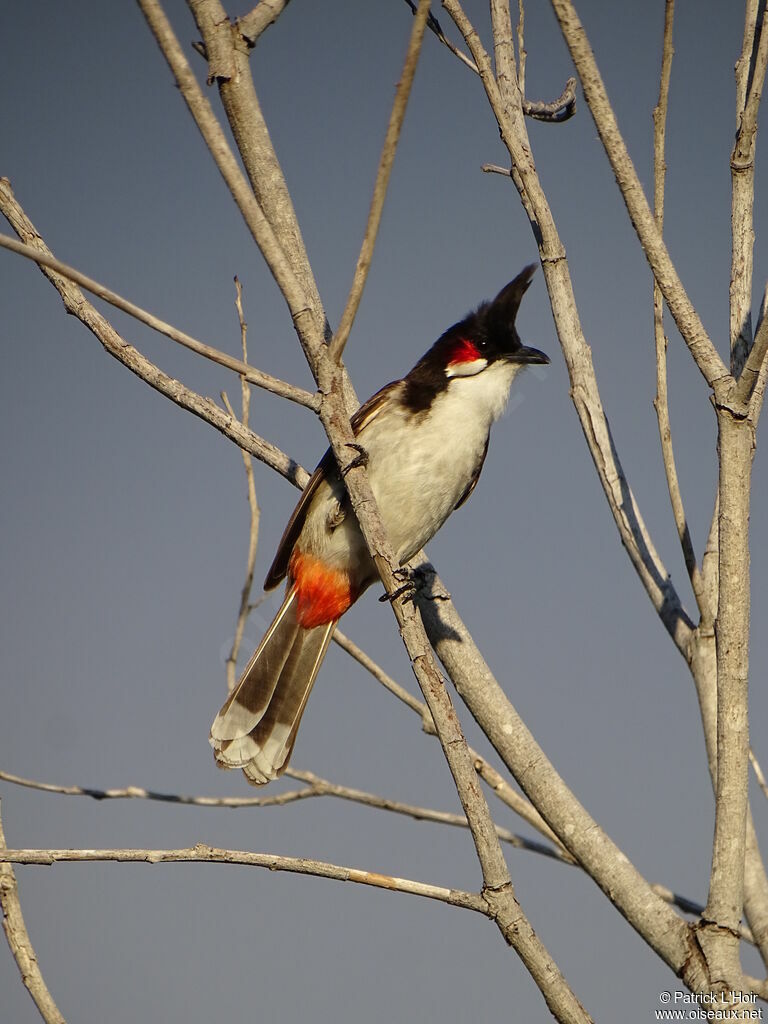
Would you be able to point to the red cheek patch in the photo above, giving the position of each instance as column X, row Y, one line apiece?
column 322, row 594
column 465, row 351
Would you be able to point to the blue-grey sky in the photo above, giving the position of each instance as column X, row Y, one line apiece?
column 124, row 519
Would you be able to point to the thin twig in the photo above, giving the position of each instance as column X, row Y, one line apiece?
column 556, row 111
column 661, row 402
column 758, row 772
column 506, row 172
column 750, row 76
column 383, row 173
column 308, row 319
column 253, row 504
column 273, row 862
column 316, row 786
column 322, row 787
column 754, row 368
column 76, row 304
column 499, row 785
column 258, row 377
column 758, row 392
column 20, row 943
column 687, row 319
column 139, row 793
column 434, row 26
column 522, row 53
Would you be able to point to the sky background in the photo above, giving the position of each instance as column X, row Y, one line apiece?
column 124, row 519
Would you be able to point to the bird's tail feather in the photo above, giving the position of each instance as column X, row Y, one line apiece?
column 256, row 728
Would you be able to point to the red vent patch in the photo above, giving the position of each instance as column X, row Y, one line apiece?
column 323, row 594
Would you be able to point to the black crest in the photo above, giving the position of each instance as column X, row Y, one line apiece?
column 490, row 328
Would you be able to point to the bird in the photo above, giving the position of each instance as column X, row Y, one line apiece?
column 424, row 440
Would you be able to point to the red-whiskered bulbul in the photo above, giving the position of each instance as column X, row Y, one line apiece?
column 425, row 438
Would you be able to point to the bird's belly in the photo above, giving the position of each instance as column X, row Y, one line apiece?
column 417, row 485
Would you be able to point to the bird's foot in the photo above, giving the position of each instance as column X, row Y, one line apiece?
column 361, row 459
column 410, row 584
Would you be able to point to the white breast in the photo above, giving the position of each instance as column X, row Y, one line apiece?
column 418, row 482
column 419, row 465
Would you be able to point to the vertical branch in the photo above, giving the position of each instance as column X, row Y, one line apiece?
column 522, row 53
column 719, row 933
column 661, row 402
column 307, row 316
column 750, row 76
column 578, row 357
column 18, row 939
column 253, row 504
column 228, row 48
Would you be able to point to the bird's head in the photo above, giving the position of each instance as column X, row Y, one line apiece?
column 481, row 340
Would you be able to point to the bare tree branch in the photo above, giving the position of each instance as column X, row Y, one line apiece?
column 202, row 854
column 434, row 26
column 732, row 877
column 561, row 109
column 754, row 369
column 606, row 864
column 719, row 937
column 661, row 402
column 264, row 14
column 315, row 787
column 386, row 161
column 140, row 793
column 750, row 76
column 253, row 504
column 205, row 408
column 305, row 308
column 334, row 414
column 584, row 391
column 322, row 787
column 229, row 68
column 687, row 319
column 258, row 377
column 484, row 769
column 758, row 773
column 522, row 53
column 20, row 944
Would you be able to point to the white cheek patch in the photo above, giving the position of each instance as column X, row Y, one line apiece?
column 465, row 367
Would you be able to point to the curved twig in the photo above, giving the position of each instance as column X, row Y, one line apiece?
column 20, row 943
column 561, row 109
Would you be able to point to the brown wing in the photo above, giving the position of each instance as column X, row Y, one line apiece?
column 473, row 482
column 364, row 415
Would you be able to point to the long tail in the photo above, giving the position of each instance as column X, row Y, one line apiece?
column 256, row 728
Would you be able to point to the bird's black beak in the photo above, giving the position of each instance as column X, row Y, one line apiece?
column 525, row 354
